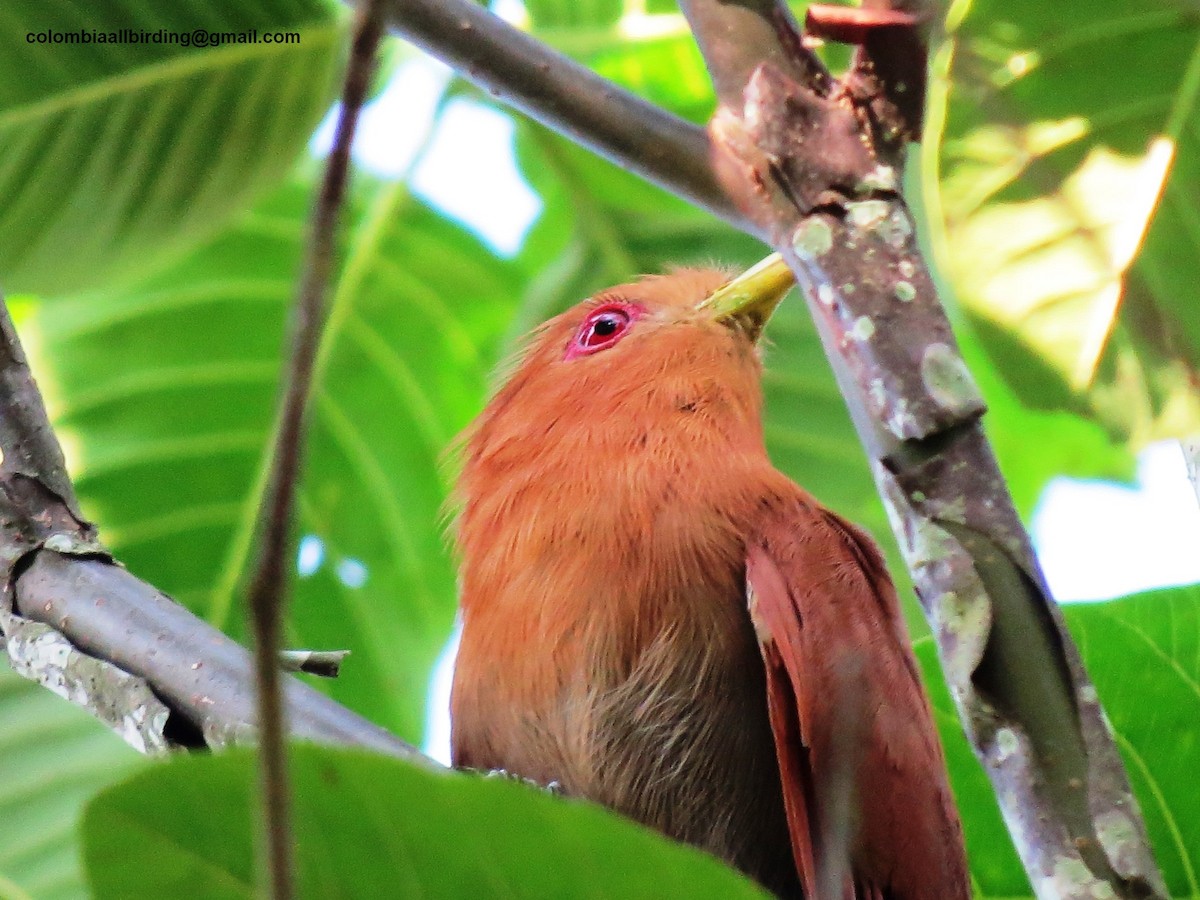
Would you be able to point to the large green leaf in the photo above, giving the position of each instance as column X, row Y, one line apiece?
column 53, row 757
column 1058, row 137
column 1143, row 653
column 113, row 155
column 369, row 826
column 164, row 395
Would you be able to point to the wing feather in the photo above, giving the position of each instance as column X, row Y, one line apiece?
column 868, row 805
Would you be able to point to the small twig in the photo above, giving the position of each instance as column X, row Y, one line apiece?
column 568, row 98
column 268, row 585
column 322, row 663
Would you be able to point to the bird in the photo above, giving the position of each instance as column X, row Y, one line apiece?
column 656, row 619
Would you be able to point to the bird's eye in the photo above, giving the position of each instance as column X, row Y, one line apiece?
column 602, row 328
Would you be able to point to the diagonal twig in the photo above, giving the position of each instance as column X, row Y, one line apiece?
column 268, row 584
column 557, row 92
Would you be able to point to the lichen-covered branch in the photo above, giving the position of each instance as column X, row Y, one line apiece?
column 816, row 162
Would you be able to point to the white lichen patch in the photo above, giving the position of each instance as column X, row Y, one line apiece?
column 877, row 393
column 121, row 701
column 1007, row 743
column 889, row 222
column 964, row 621
column 881, row 178
column 825, row 294
column 1072, row 879
column 948, row 382
column 897, row 229
column 71, row 545
column 904, row 291
column 863, row 329
column 954, row 509
column 927, row 543
column 1088, row 694
column 906, row 268
column 812, row 239
column 901, row 422
column 1120, row 837
column 867, row 215
column 1114, row 829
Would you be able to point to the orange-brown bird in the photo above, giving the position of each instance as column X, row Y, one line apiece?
column 658, row 620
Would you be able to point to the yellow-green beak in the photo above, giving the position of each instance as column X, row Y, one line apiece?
column 749, row 299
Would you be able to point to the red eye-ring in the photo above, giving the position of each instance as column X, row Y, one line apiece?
column 602, row 328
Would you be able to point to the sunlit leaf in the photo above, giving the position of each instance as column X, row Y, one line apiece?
column 1061, row 158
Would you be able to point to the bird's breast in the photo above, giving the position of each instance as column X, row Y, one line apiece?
column 620, row 661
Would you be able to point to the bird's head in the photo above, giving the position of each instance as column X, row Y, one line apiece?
column 635, row 363
column 661, row 311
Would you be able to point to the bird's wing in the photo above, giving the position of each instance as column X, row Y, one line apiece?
column 868, row 806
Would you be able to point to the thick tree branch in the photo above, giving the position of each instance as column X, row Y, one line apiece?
column 27, row 442
column 567, row 97
column 816, row 162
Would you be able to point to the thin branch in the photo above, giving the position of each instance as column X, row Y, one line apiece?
column 568, row 98
column 817, row 163
column 269, row 583
column 205, row 677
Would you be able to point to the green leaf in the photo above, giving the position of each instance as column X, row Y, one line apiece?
column 114, row 156
column 164, row 394
column 1143, row 654
column 53, row 757
column 370, row 826
column 1058, row 138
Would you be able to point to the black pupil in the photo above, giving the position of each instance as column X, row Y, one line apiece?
column 606, row 326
